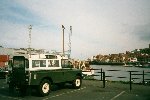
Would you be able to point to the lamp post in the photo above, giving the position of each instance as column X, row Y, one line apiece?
column 63, row 39
column 30, row 28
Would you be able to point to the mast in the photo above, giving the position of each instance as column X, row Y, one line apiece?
column 70, row 41
column 63, row 39
column 30, row 28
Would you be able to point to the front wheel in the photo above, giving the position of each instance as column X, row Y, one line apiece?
column 77, row 83
column 44, row 88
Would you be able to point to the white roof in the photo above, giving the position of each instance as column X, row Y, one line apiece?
column 42, row 56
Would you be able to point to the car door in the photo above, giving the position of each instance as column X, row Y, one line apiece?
column 18, row 70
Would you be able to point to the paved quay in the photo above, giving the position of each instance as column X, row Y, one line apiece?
column 90, row 90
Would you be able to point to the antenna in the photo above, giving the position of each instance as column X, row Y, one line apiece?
column 63, row 39
column 70, row 34
column 30, row 28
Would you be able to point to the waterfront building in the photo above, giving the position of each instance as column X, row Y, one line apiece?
column 137, row 55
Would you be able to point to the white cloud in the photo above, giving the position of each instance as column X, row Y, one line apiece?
column 99, row 26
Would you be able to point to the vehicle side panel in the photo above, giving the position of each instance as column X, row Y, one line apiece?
column 56, row 76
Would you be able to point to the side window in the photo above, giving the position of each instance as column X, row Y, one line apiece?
column 50, row 63
column 35, row 63
column 42, row 63
column 56, row 63
column 53, row 63
column 38, row 63
column 65, row 63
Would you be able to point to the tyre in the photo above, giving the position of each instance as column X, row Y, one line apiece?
column 44, row 88
column 23, row 90
column 77, row 83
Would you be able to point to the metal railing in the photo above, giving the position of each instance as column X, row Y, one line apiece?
column 103, row 76
column 134, row 73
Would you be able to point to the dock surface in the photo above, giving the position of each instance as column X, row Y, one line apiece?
column 90, row 90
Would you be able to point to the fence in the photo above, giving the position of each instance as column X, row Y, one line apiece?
column 103, row 77
column 134, row 73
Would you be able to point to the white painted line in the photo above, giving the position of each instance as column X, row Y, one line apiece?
column 117, row 95
column 64, row 93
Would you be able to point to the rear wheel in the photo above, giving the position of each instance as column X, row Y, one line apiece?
column 77, row 83
column 22, row 90
column 44, row 88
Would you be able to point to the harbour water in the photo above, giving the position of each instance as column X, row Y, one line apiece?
column 118, row 72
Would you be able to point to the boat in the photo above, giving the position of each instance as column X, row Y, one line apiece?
column 128, row 65
column 138, row 64
column 88, row 72
column 147, row 65
column 86, row 69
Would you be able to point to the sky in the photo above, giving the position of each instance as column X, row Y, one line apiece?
column 98, row 26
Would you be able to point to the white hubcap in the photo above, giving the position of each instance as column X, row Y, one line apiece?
column 45, row 88
column 77, row 82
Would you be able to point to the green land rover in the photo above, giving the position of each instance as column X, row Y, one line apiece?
column 41, row 71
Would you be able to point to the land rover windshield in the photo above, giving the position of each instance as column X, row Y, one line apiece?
column 18, row 62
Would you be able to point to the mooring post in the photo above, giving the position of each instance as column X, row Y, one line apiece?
column 103, row 79
column 143, row 78
column 101, row 74
column 130, row 82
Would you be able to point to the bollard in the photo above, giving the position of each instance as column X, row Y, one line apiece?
column 143, row 78
column 103, row 79
column 130, row 82
column 101, row 74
